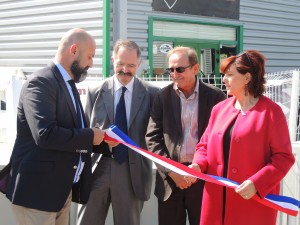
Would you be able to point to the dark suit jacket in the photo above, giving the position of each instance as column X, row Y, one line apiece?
column 164, row 134
column 100, row 109
column 46, row 150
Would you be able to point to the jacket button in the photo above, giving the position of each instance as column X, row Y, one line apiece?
column 234, row 170
column 237, row 139
column 75, row 167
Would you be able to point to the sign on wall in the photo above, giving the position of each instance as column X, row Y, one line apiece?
column 212, row 8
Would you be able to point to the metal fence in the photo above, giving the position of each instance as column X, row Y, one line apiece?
column 283, row 88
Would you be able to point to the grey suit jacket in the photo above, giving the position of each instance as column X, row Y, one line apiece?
column 100, row 109
column 164, row 135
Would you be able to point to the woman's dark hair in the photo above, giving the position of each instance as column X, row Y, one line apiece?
column 250, row 61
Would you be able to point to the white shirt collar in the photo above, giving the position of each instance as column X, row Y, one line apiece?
column 62, row 70
column 118, row 85
column 175, row 87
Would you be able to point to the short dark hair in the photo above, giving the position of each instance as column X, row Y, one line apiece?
column 250, row 61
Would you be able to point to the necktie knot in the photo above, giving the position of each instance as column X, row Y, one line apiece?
column 123, row 90
column 72, row 84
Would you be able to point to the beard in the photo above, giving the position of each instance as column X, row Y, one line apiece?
column 125, row 74
column 79, row 73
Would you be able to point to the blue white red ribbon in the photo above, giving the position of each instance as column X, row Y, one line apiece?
column 284, row 204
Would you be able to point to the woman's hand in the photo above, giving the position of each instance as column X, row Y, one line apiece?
column 246, row 190
column 191, row 179
column 180, row 180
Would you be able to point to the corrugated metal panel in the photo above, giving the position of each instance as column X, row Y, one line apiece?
column 31, row 30
column 138, row 12
column 138, row 15
column 273, row 28
column 188, row 30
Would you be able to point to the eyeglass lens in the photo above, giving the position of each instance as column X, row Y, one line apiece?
column 179, row 69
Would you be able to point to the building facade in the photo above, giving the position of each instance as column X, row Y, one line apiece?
column 30, row 30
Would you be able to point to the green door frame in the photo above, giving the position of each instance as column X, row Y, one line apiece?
column 106, row 40
column 151, row 38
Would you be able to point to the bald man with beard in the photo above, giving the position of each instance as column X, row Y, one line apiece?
column 51, row 159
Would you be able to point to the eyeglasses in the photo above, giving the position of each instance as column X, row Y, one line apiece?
column 179, row 69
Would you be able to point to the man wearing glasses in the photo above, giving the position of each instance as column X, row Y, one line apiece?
column 178, row 118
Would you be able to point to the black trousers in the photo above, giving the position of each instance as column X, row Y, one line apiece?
column 182, row 204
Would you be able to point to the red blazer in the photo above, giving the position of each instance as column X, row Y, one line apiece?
column 260, row 150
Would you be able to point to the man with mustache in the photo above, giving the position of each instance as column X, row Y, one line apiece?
column 51, row 161
column 125, row 184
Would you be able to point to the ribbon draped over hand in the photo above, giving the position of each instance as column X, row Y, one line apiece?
column 281, row 203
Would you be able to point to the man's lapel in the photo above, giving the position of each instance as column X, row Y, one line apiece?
column 176, row 106
column 138, row 94
column 108, row 99
column 64, row 88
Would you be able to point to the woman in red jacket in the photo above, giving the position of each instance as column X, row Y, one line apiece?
column 247, row 141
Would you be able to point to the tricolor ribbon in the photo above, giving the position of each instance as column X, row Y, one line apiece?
column 284, row 204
